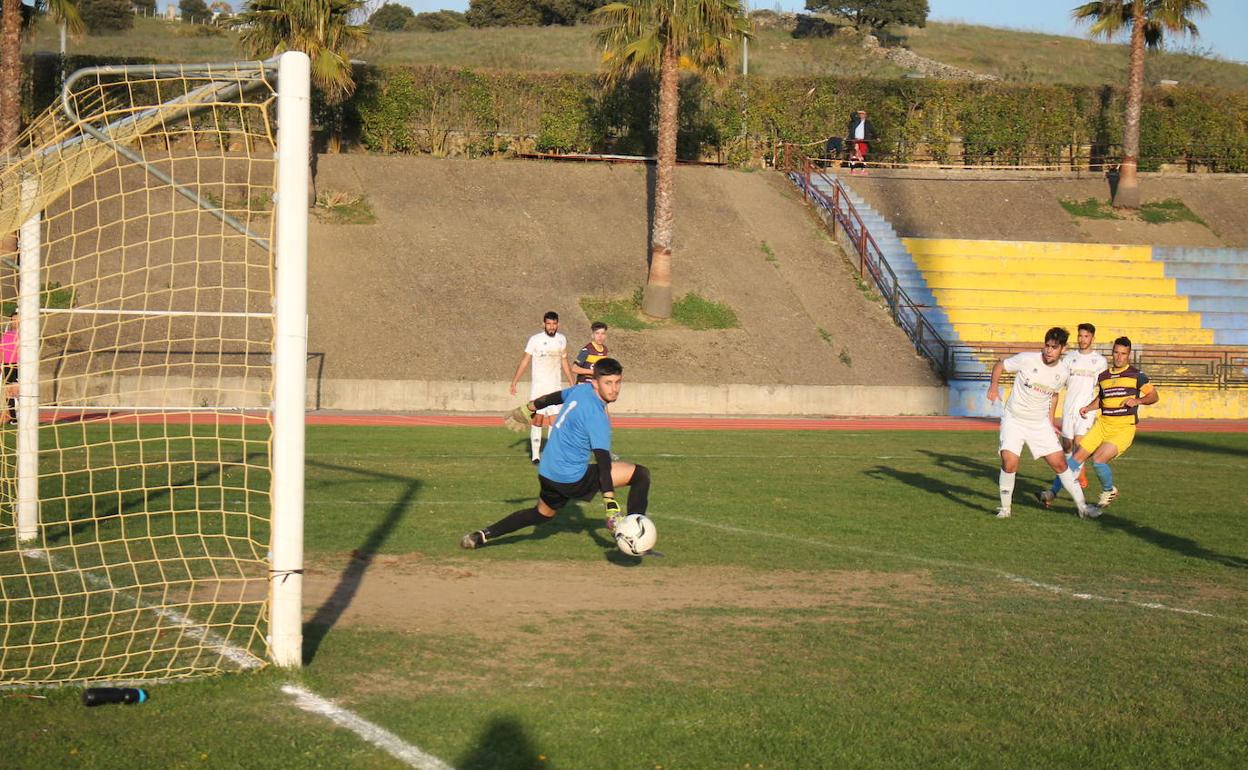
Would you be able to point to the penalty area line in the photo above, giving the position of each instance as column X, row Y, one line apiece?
column 1016, row 579
column 369, row 732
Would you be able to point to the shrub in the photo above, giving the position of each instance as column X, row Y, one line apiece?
column 106, row 16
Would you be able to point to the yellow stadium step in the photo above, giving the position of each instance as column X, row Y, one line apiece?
column 1023, row 333
column 1041, row 282
column 1071, row 316
column 1076, row 273
column 1034, row 249
column 1076, row 301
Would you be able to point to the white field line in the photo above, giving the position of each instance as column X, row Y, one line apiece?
column 1056, row 589
column 304, row 699
column 377, row 736
column 242, row 658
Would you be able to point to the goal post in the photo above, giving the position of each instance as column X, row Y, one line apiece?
column 151, row 492
column 290, row 358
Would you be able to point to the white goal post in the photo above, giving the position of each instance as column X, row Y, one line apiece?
column 151, row 491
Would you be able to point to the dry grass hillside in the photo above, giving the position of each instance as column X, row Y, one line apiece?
column 465, row 256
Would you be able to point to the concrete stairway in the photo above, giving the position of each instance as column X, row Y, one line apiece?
column 909, row 276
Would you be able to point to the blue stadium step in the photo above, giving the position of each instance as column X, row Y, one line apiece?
column 1213, row 287
column 1178, row 254
column 1230, row 337
column 1236, row 270
column 1224, row 320
column 1206, row 304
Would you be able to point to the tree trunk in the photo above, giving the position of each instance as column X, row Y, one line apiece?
column 10, row 73
column 10, row 95
column 1127, row 193
column 657, row 298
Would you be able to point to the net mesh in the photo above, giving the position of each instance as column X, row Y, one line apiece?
column 155, row 342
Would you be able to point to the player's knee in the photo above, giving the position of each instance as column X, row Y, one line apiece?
column 641, row 475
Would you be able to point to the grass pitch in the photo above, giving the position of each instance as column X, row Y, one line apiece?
column 934, row 634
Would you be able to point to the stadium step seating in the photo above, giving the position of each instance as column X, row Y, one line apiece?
column 1011, row 291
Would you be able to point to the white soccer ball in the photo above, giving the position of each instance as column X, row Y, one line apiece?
column 635, row 534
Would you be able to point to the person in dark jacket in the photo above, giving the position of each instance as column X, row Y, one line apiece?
column 858, row 136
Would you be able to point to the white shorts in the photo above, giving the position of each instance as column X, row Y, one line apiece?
column 1074, row 425
column 540, row 389
column 1038, row 436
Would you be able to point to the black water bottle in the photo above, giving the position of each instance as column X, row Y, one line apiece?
column 98, row 696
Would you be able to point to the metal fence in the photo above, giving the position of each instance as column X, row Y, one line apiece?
column 837, row 211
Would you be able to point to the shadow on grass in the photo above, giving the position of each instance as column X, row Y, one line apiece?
column 502, row 745
column 572, row 519
column 966, row 466
column 1165, row 540
column 328, row 614
column 1174, row 442
column 966, row 497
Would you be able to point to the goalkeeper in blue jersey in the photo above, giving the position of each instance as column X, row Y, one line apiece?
column 582, row 429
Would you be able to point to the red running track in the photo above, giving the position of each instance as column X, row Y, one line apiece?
column 671, row 423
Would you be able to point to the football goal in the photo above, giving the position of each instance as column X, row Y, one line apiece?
column 154, row 358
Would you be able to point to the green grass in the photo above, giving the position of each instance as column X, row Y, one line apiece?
column 1169, row 210
column 691, row 311
column 1090, row 208
column 920, row 643
column 616, row 313
column 699, row 313
column 1011, row 54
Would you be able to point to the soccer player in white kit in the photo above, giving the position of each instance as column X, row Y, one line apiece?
column 1028, row 417
column 1086, row 365
column 548, row 351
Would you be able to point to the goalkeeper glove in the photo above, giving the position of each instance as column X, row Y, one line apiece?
column 520, row 418
column 613, row 511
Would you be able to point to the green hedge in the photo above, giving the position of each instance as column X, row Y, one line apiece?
column 443, row 110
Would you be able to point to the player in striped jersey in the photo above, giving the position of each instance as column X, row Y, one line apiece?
column 1120, row 391
column 595, row 350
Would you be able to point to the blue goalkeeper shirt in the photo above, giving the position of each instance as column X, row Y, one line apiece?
column 581, row 426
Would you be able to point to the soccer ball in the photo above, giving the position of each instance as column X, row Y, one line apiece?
column 635, row 534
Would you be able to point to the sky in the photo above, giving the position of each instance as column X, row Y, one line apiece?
column 1224, row 29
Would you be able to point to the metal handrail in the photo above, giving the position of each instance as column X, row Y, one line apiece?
column 905, row 312
column 1217, row 367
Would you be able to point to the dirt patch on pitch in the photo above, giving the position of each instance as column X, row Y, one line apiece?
column 493, row 599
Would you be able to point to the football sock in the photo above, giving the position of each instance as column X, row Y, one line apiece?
column 1071, row 484
column 1105, row 474
column 535, row 441
column 1056, row 486
column 12, row 408
column 639, row 490
column 525, row 517
column 1007, row 489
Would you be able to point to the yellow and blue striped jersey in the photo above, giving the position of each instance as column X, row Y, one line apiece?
column 1114, row 387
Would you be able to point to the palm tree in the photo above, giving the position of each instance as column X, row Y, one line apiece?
column 320, row 28
column 663, row 36
column 10, row 73
column 1148, row 21
column 65, row 14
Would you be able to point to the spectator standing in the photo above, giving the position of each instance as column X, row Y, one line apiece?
column 859, row 136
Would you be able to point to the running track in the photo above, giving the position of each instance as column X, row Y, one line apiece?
column 672, row 423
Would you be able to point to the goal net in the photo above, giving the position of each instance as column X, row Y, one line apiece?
column 150, row 524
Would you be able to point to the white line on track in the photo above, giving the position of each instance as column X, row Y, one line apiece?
column 1056, row 589
column 377, row 736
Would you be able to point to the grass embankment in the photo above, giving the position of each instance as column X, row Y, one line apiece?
column 1010, row 54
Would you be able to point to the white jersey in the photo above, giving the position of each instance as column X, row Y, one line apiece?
column 1035, row 385
column 548, row 353
column 1084, row 369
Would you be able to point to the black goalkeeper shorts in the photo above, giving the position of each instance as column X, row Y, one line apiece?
column 557, row 494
